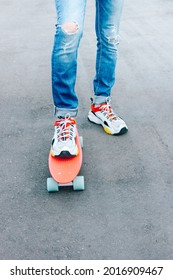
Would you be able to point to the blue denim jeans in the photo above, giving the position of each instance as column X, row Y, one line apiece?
column 65, row 50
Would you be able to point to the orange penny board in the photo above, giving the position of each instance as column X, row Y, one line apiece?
column 65, row 170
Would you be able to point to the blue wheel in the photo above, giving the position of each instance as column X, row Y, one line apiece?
column 78, row 183
column 52, row 185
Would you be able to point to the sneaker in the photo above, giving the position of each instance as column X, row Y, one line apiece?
column 64, row 140
column 103, row 114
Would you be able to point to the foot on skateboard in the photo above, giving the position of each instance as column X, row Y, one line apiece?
column 64, row 171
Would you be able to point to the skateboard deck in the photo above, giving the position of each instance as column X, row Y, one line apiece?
column 64, row 171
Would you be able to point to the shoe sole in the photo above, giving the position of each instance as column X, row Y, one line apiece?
column 64, row 154
column 92, row 118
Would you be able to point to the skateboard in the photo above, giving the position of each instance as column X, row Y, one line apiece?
column 64, row 171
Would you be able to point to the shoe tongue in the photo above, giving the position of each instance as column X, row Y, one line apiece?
column 63, row 121
column 108, row 109
column 65, row 126
column 105, row 107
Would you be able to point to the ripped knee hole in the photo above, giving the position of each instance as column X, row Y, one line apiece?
column 70, row 27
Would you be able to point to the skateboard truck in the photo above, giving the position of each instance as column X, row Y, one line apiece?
column 77, row 184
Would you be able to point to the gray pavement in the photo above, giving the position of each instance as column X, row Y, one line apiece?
column 126, row 211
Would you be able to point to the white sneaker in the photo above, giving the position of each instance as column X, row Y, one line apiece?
column 64, row 140
column 103, row 114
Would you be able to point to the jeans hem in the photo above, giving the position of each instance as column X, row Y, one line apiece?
column 100, row 99
column 62, row 112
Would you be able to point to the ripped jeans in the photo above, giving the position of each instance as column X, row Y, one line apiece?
column 65, row 50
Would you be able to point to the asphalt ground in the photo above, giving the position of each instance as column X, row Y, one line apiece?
column 126, row 210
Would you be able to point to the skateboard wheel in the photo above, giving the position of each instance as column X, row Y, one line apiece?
column 52, row 185
column 81, row 141
column 78, row 183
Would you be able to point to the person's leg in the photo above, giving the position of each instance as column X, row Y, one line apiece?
column 108, row 14
column 69, row 29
